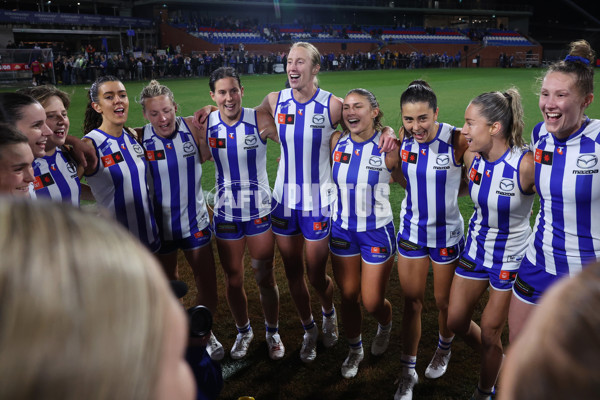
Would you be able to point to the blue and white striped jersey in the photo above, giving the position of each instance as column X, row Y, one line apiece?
column 240, row 156
column 176, row 171
column 56, row 178
column 304, row 174
column 499, row 229
column 363, row 189
column 430, row 216
column 120, row 185
column 567, row 179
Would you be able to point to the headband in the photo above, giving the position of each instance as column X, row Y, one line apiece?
column 577, row 58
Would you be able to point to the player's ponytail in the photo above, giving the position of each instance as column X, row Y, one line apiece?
column 93, row 119
column 580, row 62
column 507, row 109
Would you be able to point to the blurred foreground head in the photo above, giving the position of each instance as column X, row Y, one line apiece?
column 556, row 355
column 85, row 311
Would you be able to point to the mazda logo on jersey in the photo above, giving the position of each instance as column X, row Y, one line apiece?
column 507, row 184
column 344, row 158
column 587, row 161
column 216, row 143
column 43, row 181
column 318, row 119
column 442, row 159
column 155, row 155
column 409, row 157
column 188, row 148
column 138, row 149
column 543, row 157
column 286, row 119
column 250, row 140
column 375, row 161
column 71, row 167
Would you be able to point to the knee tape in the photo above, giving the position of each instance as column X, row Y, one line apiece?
column 263, row 270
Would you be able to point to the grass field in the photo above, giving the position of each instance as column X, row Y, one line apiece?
column 289, row 378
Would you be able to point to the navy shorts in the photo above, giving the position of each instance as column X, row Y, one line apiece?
column 500, row 279
column 532, row 282
column 441, row 255
column 197, row 240
column 375, row 246
column 312, row 225
column 232, row 230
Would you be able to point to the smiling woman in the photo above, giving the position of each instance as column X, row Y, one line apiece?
column 180, row 210
column 16, row 157
column 119, row 183
column 566, row 147
column 29, row 117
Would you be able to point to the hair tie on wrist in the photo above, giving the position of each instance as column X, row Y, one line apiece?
column 577, row 58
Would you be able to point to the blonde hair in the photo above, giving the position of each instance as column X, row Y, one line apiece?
column 313, row 55
column 82, row 306
column 154, row 89
column 558, row 349
column 506, row 108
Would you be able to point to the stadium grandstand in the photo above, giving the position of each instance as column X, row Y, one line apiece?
column 144, row 38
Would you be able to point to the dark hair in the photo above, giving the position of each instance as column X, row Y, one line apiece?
column 11, row 106
column 504, row 107
column 9, row 135
column 220, row 73
column 373, row 103
column 43, row 92
column 419, row 91
column 579, row 62
column 92, row 119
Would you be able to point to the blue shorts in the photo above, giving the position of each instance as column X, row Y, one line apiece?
column 289, row 222
column 197, row 240
column 441, row 255
column 532, row 282
column 501, row 280
column 375, row 246
column 233, row 230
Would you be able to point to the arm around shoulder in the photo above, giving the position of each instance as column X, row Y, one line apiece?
column 268, row 104
column 527, row 174
column 266, row 126
column 199, row 135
